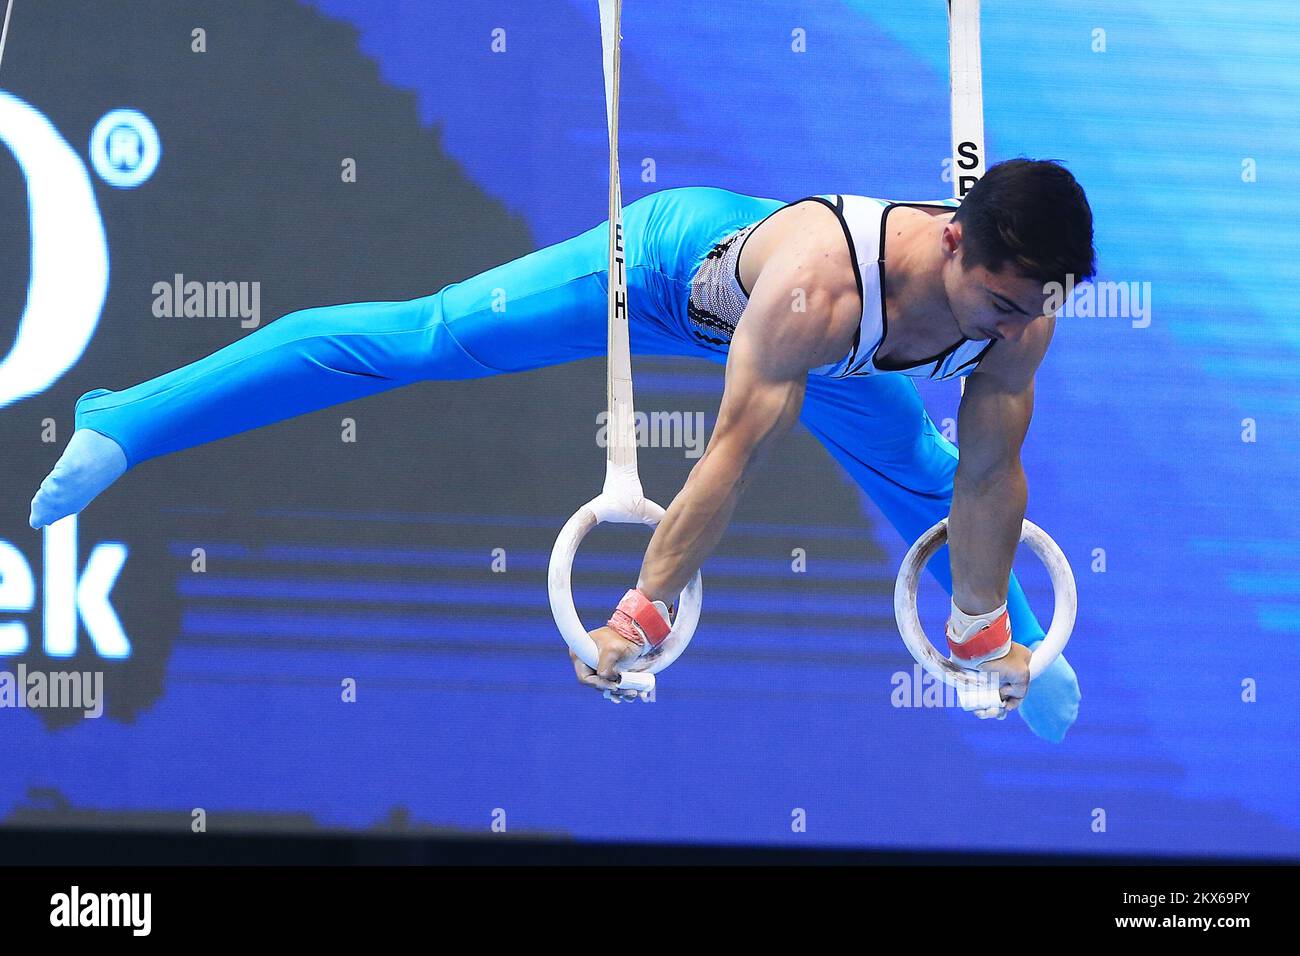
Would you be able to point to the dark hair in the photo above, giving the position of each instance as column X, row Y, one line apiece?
column 1033, row 214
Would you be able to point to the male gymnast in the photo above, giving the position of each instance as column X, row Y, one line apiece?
column 821, row 309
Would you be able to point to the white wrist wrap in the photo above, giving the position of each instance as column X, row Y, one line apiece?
column 962, row 627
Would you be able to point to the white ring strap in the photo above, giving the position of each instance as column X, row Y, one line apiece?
column 622, row 499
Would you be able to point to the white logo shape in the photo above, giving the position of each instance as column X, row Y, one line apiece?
column 69, row 262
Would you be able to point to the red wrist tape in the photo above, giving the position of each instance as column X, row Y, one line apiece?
column 985, row 641
column 637, row 619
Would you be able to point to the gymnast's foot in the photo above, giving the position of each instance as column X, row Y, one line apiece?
column 89, row 464
column 1052, row 703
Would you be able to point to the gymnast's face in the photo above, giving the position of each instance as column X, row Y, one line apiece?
column 988, row 305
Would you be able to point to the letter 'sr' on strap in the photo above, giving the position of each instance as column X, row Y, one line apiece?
column 966, row 99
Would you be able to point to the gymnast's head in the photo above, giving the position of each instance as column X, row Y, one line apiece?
column 1023, row 227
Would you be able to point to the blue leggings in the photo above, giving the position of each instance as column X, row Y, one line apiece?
column 540, row 310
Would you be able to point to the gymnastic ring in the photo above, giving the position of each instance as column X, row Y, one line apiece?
column 601, row 509
column 909, row 623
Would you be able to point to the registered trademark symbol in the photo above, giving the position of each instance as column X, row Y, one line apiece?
column 125, row 148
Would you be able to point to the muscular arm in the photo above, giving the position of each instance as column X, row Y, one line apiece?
column 760, row 403
column 767, row 368
column 989, row 492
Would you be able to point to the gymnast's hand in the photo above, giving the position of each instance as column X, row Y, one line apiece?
column 1013, row 675
column 613, row 649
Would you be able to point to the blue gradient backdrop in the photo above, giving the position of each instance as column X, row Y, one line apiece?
column 1136, row 449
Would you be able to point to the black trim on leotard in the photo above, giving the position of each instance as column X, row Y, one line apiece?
column 884, row 308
